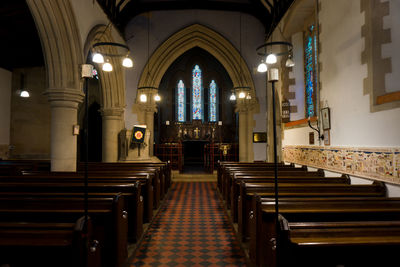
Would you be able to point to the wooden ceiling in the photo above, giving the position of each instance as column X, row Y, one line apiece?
column 268, row 12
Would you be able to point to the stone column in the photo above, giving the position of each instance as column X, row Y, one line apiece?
column 249, row 128
column 242, row 134
column 111, row 127
column 246, row 107
column 146, row 112
column 64, row 110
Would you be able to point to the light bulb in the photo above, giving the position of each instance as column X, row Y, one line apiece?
column 143, row 98
column 107, row 67
column 289, row 62
column 232, row 97
column 127, row 62
column 98, row 58
column 271, row 59
column 248, row 97
column 262, row 67
column 157, row 97
column 242, row 95
column 24, row 93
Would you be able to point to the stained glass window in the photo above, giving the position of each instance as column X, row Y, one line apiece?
column 181, row 102
column 197, row 94
column 310, row 62
column 213, row 102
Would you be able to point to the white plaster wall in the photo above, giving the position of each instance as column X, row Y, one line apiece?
column 5, row 106
column 297, row 73
column 163, row 24
column 392, row 22
column 352, row 123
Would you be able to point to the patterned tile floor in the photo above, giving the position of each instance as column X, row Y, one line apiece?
column 190, row 230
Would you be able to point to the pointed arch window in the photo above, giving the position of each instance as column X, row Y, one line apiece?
column 197, row 103
column 310, row 63
column 181, row 101
column 213, row 102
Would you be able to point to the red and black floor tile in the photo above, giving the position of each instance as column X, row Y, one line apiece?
column 191, row 229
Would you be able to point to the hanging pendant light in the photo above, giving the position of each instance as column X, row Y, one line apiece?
column 271, row 59
column 232, row 97
column 289, row 62
column 107, row 67
column 97, row 58
column 127, row 62
column 262, row 67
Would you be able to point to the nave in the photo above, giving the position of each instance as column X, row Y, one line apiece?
column 191, row 229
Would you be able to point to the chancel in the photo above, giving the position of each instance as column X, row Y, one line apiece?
column 199, row 133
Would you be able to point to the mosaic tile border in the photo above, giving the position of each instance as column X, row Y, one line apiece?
column 381, row 164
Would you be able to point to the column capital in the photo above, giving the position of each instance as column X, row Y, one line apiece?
column 246, row 105
column 64, row 97
column 112, row 113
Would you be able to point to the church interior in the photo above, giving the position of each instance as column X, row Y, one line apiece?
column 199, row 133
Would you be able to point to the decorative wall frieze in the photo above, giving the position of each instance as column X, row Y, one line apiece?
column 375, row 163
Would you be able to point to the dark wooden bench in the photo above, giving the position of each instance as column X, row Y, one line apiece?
column 107, row 214
column 64, row 244
column 354, row 243
column 289, row 172
column 321, row 211
column 248, row 190
column 144, row 178
column 238, row 179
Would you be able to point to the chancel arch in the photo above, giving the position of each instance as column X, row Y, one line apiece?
column 199, row 36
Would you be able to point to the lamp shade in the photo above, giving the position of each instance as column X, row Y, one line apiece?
column 143, row 98
column 157, row 97
column 98, row 58
column 107, row 67
column 289, row 63
column 271, row 59
column 24, row 93
column 262, row 67
column 242, row 95
column 127, row 62
column 232, row 97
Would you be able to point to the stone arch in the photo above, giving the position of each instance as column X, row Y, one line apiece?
column 201, row 36
column 112, row 87
column 112, row 83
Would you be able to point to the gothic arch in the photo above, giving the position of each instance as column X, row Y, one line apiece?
column 197, row 35
column 62, row 49
column 112, row 83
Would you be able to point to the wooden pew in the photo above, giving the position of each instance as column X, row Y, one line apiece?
column 133, row 201
column 247, row 191
column 238, row 179
column 161, row 168
column 285, row 172
column 64, row 244
column 354, row 243
column 320, row 211
column 144, row 178
column 107, row 214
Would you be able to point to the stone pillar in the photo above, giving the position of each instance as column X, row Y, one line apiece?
column 146, row 112
column 111, row 128
column 149, row 116
column 249, row 128
column 64, row 110
column 246, row 106
column 242, row 134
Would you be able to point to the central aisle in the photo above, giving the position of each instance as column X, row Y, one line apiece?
column 190, row 230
